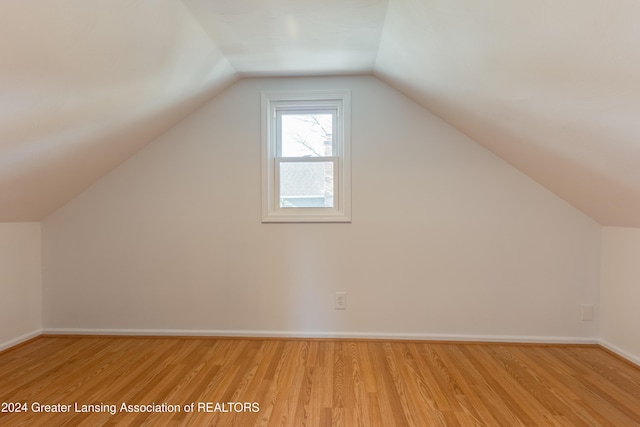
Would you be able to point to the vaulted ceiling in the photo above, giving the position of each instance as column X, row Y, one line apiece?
column 553, row 87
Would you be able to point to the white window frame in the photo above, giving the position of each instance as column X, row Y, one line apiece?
column 300, row 101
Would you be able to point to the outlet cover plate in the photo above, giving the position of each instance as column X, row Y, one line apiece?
column 341, row 301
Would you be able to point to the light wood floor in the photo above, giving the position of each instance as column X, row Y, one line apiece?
column 318, row 382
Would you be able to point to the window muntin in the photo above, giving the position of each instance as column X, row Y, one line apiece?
column 306, row 165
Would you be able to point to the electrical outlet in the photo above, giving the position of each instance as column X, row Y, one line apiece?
column 341, row 301
column 587, row 312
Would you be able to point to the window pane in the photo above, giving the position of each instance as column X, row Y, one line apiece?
column 307, row 135
column 306, row 184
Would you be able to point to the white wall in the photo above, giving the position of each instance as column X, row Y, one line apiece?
column 620, row 291
column 20, row 282
column 447, row 240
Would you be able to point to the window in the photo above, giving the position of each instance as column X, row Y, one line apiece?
column 305, row 155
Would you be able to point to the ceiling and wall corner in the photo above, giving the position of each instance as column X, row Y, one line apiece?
column 551, row 87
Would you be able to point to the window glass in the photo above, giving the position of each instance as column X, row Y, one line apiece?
column 306, row 135
column 306, row 184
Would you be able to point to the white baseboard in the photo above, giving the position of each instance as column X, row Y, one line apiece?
column 336, row 335
column 620, row 352
column 11, row 343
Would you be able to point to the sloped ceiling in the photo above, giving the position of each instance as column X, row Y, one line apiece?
column 86, row 83
column 552, row 87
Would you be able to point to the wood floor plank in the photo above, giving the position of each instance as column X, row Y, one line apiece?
column 555, row 388
column 468, row 380
column 254, row 382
